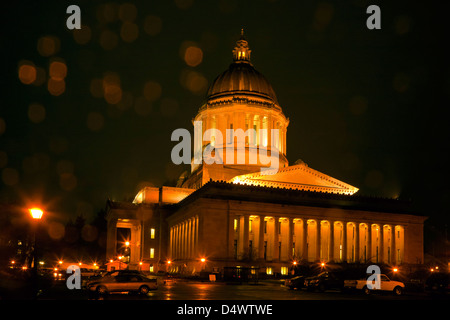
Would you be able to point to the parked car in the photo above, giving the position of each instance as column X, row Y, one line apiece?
column 386, row 284
column 122, row 282
column 295, row 282
column 438, row 282
column 325, row 281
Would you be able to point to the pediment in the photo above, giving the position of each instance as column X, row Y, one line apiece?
column 297, row 177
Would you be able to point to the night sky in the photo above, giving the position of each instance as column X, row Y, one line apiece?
column 368, row 107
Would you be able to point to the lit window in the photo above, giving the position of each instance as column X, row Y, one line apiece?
column 235, row 224
column 152, row 233
column 269, row 270
column 284, row 271
column 152, row 253
column 151, row 268
column 250, row 226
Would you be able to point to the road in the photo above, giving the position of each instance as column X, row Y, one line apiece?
column 192, row 290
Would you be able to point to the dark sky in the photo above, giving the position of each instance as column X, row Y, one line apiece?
column 368, row 107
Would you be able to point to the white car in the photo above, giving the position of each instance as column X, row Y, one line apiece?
column 386, row 284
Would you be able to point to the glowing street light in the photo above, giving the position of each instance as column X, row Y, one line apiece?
column 36, row 213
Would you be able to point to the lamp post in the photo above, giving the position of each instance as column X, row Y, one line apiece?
column 36, row 214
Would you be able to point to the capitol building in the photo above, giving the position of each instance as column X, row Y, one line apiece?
column 231, row 213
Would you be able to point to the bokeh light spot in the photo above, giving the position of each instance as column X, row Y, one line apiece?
column 108, row 40
column 10, row 176
column 95, row 121
column 142, row 106
column 56, row 230
column 36, row 112
column 58, row 70
column 82, row 36
column 152, row 90
column 67, row 181
column 193, row 56
column 56, row 87
column 184, row 4
column 127, row 12
column 152, row 25
column 48, row 46
column 27, row 72
column 129, row 32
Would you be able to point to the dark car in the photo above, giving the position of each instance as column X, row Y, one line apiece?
column 325, row 281
column 295, row 282
column 438, row 282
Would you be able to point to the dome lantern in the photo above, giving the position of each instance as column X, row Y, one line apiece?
column 241, row 52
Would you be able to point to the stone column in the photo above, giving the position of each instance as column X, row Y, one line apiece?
column 318, row 240
column 344, row 241
column 261, row 238
column 290, row 241
column 276, row 238
column 304, row 252
column 381, row 249
column 357, row 247
column 331, row 251
column 246, row 236
column 393, row 247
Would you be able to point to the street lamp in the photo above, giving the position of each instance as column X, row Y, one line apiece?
column 36, row 214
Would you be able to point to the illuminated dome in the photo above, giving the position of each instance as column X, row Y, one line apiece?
column 241, row 78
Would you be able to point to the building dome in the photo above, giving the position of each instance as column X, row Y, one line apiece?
column 241, row 78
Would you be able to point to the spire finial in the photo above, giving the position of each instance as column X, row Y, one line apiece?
column 241, row 52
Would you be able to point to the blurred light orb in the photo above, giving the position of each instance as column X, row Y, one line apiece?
column 95, row 121
column 129, row 32
column 152, row 90
column 127, row 12
column 108, row 40
column 10, row 176
column 56, row 87
column 36, row 112
column 48, row 46
column 193, row 56
column 57, row 70
column 82, row 36
column 27, row 72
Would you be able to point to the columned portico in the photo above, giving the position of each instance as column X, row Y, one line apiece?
column 283, row 239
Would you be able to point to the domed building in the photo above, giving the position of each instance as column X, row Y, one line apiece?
column 243, row 205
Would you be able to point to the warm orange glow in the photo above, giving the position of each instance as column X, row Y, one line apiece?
column 111, row 260
column 60, row 261
column 36, row 213
column 294, row 263
column 193, row 56
column 169, row 262
column 140, row 263
column 202, row 259
column 322, row 264
column 27, row 73
column 56, row 87
column 127, row 243
column 58, row 70
column 395, row 269
column 13, row 262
